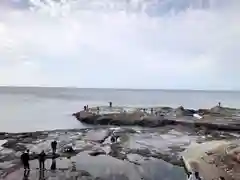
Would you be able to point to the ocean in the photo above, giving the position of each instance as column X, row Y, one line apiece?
column 41, row 108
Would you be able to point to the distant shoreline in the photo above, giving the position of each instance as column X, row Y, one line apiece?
column 124, row 89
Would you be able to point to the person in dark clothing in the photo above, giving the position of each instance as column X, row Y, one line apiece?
column 42, row 158
column 25, row 160
column 114, row 138
column 197, row 176
column 110, row 104
column 151, row 110
column 219, row 104
column 54, row 146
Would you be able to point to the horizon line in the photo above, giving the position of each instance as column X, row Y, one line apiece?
column 119, row 88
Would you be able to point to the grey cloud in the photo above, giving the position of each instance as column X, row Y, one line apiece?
column 196, row 48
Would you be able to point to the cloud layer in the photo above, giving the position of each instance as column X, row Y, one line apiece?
column 120, row 44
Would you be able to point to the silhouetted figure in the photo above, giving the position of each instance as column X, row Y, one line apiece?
column 53, row 165
column 151, row 110
column 68, row 149
column 54, row 146
column 85, row 108
column 194, row 176
column 114, row 138
column 110, row 104
column 25, row 160
column 197, row 176
column 219, row 104
column 98, row 109
column 42, row 158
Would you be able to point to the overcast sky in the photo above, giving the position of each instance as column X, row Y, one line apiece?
column 165, row 44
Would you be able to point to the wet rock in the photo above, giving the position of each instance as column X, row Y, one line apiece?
column 68, row 149
column 115, row 177
column 143, row 152
column 97, row 135
column 97, row 153
column 208, row 118
column 116, row 151
column 13, row 144
column 135, row 148
column 3, row 135
column 8, row 157
column 181, row 111
column 166, row 157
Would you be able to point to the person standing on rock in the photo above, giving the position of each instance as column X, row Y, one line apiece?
column 42, row 158
column 110, row 104
column 54, row 146
column 219, row 104
column 25, row 160
column 195, row 171
column 152, row 111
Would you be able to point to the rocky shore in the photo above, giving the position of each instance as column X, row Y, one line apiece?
column 214, row 159
column 218, row 118
column 147, row 153
column 153, row 143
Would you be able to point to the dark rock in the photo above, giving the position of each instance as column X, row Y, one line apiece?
column 180, row 111
column 68, row 149
column 103, row 120
column 131, row 119
column 116, row 151
column 97, row 153
column 13, row 144
column 7, row 157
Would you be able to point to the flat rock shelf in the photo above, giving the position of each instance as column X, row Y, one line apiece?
column 214, row 159
column 220, row 118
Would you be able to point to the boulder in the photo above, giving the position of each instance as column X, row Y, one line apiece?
column 68, row 149
column 180, row 111
column 12, row 144
column 97, row 153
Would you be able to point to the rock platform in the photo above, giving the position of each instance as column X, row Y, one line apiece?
column 220, row 118
column 214, row 159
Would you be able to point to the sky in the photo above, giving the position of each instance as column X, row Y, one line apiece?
column 154, row 44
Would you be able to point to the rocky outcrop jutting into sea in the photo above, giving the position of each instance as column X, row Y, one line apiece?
column 221, row 118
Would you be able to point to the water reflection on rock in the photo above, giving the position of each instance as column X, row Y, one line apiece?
column 139, row 154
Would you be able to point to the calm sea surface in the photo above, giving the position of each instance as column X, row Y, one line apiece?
column 31, row 109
